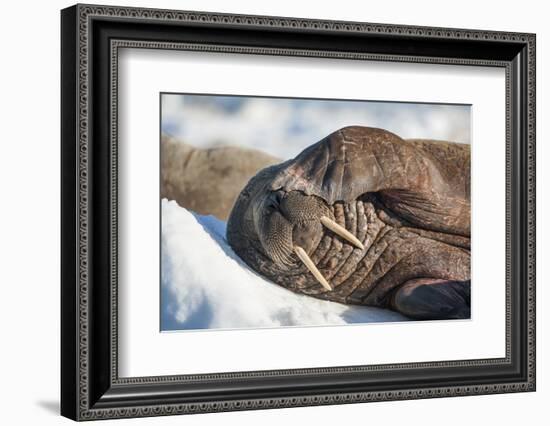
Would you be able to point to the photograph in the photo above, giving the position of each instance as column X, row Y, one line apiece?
column 298, row 212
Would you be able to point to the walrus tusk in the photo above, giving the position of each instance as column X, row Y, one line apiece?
column 343, row 232
column 301, row 253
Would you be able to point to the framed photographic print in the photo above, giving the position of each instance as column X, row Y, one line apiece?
column 263, row 212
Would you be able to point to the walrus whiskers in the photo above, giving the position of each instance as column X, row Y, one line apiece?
column 343, row 232
column 301, row 253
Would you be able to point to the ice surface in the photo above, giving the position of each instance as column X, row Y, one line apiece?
column 205, row 285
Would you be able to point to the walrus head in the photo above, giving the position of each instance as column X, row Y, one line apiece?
column 283, row 227
column 288, row 212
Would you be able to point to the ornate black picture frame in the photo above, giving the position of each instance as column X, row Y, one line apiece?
column 90, row 38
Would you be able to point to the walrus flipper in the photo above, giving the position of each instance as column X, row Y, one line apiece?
column 428, row 298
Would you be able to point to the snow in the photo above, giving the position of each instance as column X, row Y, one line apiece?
column 204, row 285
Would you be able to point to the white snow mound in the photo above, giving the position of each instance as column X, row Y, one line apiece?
column 205, row 284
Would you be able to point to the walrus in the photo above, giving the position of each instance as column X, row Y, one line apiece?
column 364, row 217
column 207, row 180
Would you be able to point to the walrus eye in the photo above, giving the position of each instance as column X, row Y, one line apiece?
column 274, row 200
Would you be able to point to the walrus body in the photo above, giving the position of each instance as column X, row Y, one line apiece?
column 364, row 217
column 207, row 181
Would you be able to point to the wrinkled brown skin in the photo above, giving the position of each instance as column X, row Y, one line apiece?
column 407, row 201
